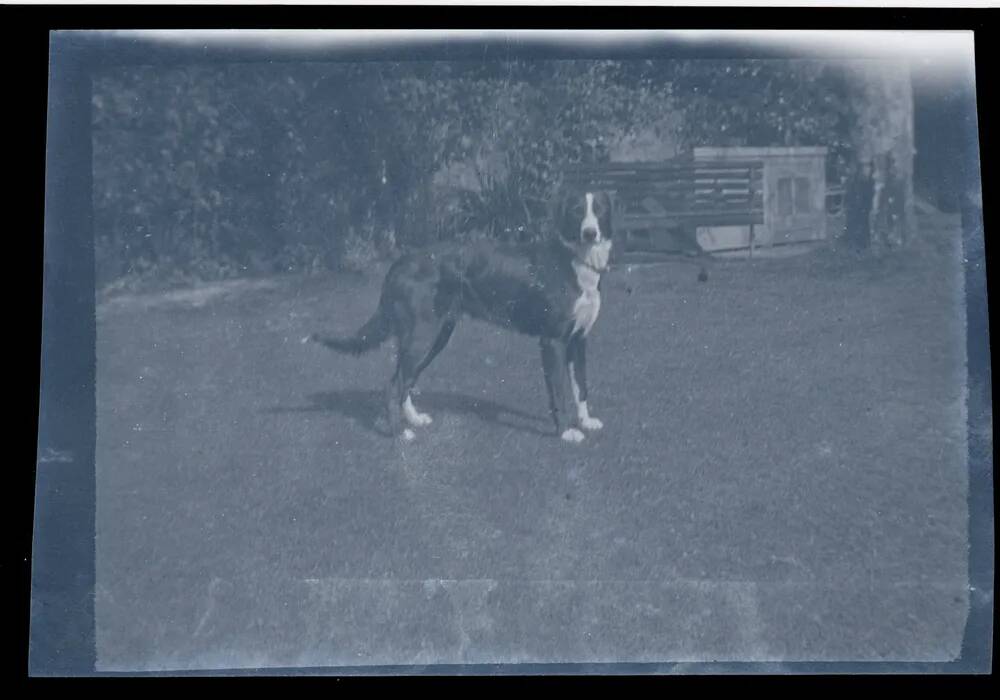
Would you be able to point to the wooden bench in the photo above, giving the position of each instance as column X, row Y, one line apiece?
column 678, row 196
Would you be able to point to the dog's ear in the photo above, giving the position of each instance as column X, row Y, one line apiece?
column 563, row 217
column 605, row 204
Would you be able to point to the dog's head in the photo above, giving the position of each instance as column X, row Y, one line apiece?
column 584, row 223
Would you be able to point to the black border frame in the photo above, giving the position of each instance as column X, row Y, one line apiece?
column 62, row 568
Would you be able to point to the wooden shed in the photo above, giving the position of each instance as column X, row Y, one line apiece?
column 794, row 192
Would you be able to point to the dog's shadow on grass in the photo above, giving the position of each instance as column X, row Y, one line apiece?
column 367, row 408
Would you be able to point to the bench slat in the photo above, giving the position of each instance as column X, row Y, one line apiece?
column 669, row 166
column 696, row 218
column 641, row 200
column 683, row 193
column 668, row 178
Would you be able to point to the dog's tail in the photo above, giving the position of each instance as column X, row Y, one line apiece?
column 375, row 332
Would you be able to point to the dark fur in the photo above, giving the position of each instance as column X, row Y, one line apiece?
column 531, row 289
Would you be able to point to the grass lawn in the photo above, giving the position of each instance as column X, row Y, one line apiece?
column 782, row 476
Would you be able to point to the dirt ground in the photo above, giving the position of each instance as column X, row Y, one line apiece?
column 782, row 476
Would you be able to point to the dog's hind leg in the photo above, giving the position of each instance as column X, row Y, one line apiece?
column 426, row 311
column 399, row 405
column 412, row 415
column 397, row 392
column 443, row 336
column 393, row 402
column 426, row 343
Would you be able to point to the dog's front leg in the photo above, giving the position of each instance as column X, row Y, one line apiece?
column 577, row 359
column 554, row 363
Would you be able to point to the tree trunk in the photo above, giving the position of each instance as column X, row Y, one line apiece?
column 858, row 199
column 882, row 135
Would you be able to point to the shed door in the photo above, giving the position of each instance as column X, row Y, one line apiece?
column 796, row 201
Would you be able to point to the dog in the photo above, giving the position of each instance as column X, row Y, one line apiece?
column 549, row 290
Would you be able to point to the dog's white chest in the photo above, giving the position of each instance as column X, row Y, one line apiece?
column 588, row 304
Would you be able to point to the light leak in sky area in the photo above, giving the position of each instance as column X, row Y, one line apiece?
column 931, row 44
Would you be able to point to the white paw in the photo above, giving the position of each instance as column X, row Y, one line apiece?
column 418, row 420
column 589, row 423
column 414, row 417
column 572, row 435
column 408, row 435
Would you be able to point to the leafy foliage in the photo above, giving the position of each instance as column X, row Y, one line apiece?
column 222, row 171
